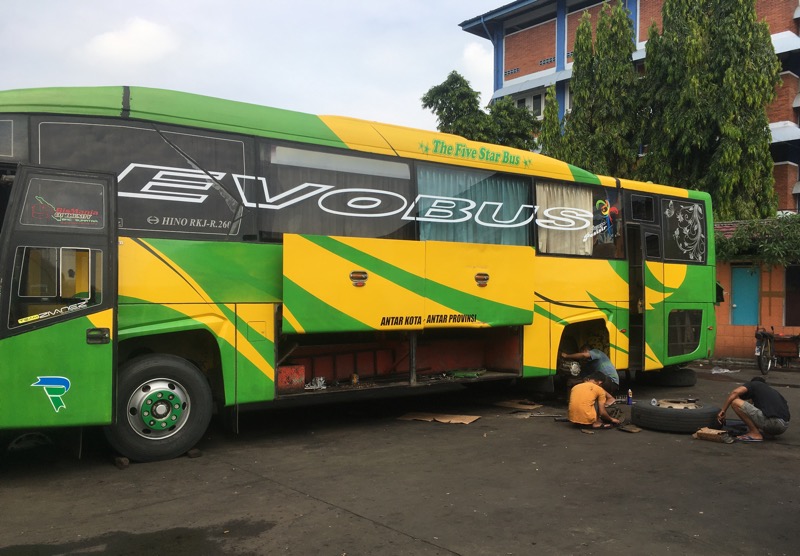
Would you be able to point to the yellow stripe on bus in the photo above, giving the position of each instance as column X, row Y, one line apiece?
column 291, row 319
column 251, row 314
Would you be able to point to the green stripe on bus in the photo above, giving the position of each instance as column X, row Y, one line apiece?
column 583, row 176
column 225, row 115
column 314, row 314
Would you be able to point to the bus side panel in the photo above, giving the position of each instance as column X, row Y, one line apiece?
column 689, row 313
column 352, row 284
column 255, row 352
column 655, row 316
column 64, row 388
column 620, row 343
column 478, row 285
column 538, row 352
column 172, row 328
column 182, row 271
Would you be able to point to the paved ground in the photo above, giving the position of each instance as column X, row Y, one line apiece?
column 354, row 479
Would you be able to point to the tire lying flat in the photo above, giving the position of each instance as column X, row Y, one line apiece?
column 675, row 416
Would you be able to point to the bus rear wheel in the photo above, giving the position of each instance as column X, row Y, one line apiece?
column 164, row 408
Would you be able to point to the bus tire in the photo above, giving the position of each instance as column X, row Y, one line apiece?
column 675, row 416
column 164, row 408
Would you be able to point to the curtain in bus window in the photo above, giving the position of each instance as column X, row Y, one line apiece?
column 564, row 219
column 473, row 206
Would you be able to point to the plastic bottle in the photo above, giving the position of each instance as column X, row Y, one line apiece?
column 630, row 396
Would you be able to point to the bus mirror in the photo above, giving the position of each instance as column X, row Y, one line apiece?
column 720, row 293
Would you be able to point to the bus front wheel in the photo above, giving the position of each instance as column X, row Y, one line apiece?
column 164, row 407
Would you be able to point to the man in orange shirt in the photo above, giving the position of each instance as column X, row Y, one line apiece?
column 588, row 401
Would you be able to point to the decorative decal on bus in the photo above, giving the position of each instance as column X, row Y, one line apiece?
column 45, row 211
column 686, row 225
column 467, row 152
column 183, row 185
column 55, row 312
column 54, row 387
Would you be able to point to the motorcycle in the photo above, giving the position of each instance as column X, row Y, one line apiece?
column 773, row 349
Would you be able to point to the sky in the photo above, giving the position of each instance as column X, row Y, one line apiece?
column 370, row 59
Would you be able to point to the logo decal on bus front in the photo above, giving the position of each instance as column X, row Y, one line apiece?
column 54, row 387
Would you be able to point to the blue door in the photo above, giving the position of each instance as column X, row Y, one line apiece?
column 744, row 295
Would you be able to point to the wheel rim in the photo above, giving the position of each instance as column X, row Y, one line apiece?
column 158, row 408
column 683, row 403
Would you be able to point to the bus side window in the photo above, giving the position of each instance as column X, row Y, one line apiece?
column 75, row 272
column 652, row 243
column 642, row 208
column 50, row 282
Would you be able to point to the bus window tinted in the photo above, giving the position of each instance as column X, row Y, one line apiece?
column 315, row 192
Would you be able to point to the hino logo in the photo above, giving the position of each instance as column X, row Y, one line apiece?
column 182, row 185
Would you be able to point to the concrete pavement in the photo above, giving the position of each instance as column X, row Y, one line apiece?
column 354, row 479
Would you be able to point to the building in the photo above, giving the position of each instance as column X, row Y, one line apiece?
column 533, row 42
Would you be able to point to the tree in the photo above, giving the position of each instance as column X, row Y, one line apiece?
column 580, row 129
column 773, row 241
column 550, row 138
column 457, row 109
column 616, row 97
column 601, row 132
column 710, row 77
column 512, row 125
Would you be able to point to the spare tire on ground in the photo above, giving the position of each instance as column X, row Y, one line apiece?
column 675, row 415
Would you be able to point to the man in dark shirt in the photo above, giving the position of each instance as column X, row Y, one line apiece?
column 760, row 407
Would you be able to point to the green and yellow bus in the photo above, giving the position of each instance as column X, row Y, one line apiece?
column 166, row 255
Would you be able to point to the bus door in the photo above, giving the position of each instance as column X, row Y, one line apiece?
column 645, row 296
column 635, row 297
column 57, row 297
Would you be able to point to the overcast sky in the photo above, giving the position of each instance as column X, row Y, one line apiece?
column 371, row 59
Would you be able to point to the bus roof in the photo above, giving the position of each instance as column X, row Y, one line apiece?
column 198, row 111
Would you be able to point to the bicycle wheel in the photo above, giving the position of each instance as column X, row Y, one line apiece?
column 765, row 359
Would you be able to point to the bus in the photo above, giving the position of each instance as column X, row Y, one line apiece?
column 166, row 256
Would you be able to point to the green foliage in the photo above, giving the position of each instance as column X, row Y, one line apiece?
column 772, row 241
column 512, row 125
column 580, row 129
column 457, row 109
column 710, row 76
column 615, row 91
column 601, row 132
column 550, row 138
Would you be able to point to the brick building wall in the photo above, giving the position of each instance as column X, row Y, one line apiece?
column 781, row 109
column 785, row 174
column 530, row 51
column 739, row 341
column 574, row 19
column 779, row 14
column 649, row 13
